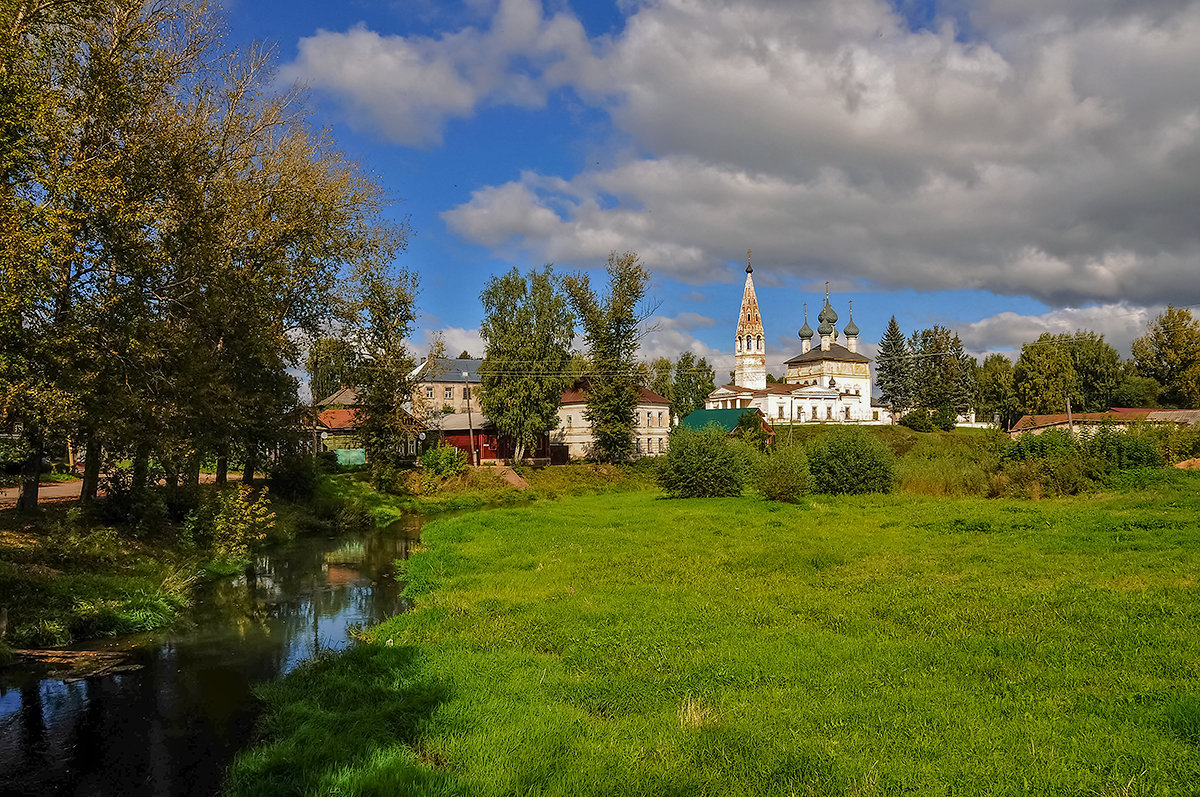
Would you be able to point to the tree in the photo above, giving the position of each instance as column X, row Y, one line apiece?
column 1136, row 391
column 662, row 379
column 465, row 355
column 378, row 312
column 612, row 332
column 894, row 370
column 694, row 380
column 943, row 375
column 1097, row 369
column 330, row 360
column 996, row 396
column 1169, row 353
column 527, row 329
column 1043, row 377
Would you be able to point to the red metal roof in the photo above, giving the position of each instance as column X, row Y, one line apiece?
column 339, row 419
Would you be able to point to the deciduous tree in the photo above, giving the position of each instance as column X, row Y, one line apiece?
column 1043, row 377
column 527, row 329
column 612, row 331
column 1169, row 353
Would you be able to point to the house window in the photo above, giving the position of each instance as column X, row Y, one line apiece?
column 637, row 443
column 448, row 393
column 649, row 418
column 429, row 391
column 660, row 423
column 412, row 445
column 660, row 445
column 466, row 394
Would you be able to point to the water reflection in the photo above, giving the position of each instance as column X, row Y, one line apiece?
column 172, row 725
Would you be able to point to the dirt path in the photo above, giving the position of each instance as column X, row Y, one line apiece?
column 69, row 491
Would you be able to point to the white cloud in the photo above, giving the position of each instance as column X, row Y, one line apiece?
column 1056, row 160
column 671, row 336
column 410, row 87
column 1120, row 324
column 456, row 340
column 1053, row 150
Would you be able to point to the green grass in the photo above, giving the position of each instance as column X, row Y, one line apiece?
column 627, row 644
column 64, row 578
column 481, row 488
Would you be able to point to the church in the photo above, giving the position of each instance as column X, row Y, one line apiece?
column 825, row 382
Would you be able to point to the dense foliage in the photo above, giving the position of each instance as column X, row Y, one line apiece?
column 171, row 230
column 612, row 332
column 782, row 474
column 850, row 459
column 701, row 464
column 527, row 330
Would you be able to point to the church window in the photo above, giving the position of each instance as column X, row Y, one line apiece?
column 847, row 413
column 568, row 421
column 759, row 341
column 814, row 412
column 829, row 412
column 874, row 415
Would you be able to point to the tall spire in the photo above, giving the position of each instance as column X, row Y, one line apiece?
column 750, row 369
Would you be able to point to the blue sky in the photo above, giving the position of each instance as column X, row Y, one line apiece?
column 1003, row 167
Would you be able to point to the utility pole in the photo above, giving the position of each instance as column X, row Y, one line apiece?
column 1070, row 422
column 470, row 423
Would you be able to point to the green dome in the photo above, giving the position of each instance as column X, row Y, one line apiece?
column 851, row 329
column 826, row 328
column 806, row 332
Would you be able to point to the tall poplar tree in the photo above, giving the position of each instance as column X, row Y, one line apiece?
column 527, row 329
column 612, row 331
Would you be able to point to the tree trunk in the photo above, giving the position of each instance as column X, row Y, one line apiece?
column 223, row 464
column 31, row 472
column 91, row 470
column 251, row 463
column 141, row 466
column 193, row 470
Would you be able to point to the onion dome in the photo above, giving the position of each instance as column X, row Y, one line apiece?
column 806, row 332
column 851, row 329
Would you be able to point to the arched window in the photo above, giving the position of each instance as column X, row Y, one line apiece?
column 759, row 341
column 748, row 343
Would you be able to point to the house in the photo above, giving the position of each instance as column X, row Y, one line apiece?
column 463, row 430
column 445, row 385
column 651, row 428
column 726, row 419
column 1116, row 417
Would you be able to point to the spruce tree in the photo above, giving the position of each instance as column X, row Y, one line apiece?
column 894, row 370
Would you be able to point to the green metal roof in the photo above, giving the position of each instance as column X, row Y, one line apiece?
column 726, row 419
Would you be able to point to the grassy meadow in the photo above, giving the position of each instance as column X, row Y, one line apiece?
column 628, row 644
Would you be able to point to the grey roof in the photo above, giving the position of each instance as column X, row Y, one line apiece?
column 444, row 369
column 836, row 352
column 457, row 422
column 345, row 396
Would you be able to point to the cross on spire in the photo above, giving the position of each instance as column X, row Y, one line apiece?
column 749, row 268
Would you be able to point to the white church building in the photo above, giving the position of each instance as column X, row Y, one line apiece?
column 826, row 382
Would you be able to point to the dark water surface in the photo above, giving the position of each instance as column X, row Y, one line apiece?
column 172, row 724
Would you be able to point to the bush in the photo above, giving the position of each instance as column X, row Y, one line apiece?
column 1122, row 450
column 231, row 521
column 945, row 419
column 918, row 421
column 443, row 461
column 702, row 464
column 783, row 474
column 850, row 460
column 294, row 476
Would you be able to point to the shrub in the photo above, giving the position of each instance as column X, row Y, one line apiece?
column 783, row 474
column 230, row 521
column 294, row 476
column 850, row 460
column 702, row 464
column 443, row 461
column 945, row 419
column 918, row 421
column 1122, row 450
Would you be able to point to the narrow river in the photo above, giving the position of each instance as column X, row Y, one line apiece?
column 172, row 722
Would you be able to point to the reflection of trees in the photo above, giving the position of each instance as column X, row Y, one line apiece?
column 173, row 726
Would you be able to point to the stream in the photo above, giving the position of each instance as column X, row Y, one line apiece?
column 172, row 722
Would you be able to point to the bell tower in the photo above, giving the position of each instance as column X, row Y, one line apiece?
column 750, row 354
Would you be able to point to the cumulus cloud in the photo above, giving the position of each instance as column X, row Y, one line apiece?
column 408, row 87
column 1056, row 154
column 670, row 336
column 1049, row 149
column 1119, row 323
column 456, row 340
